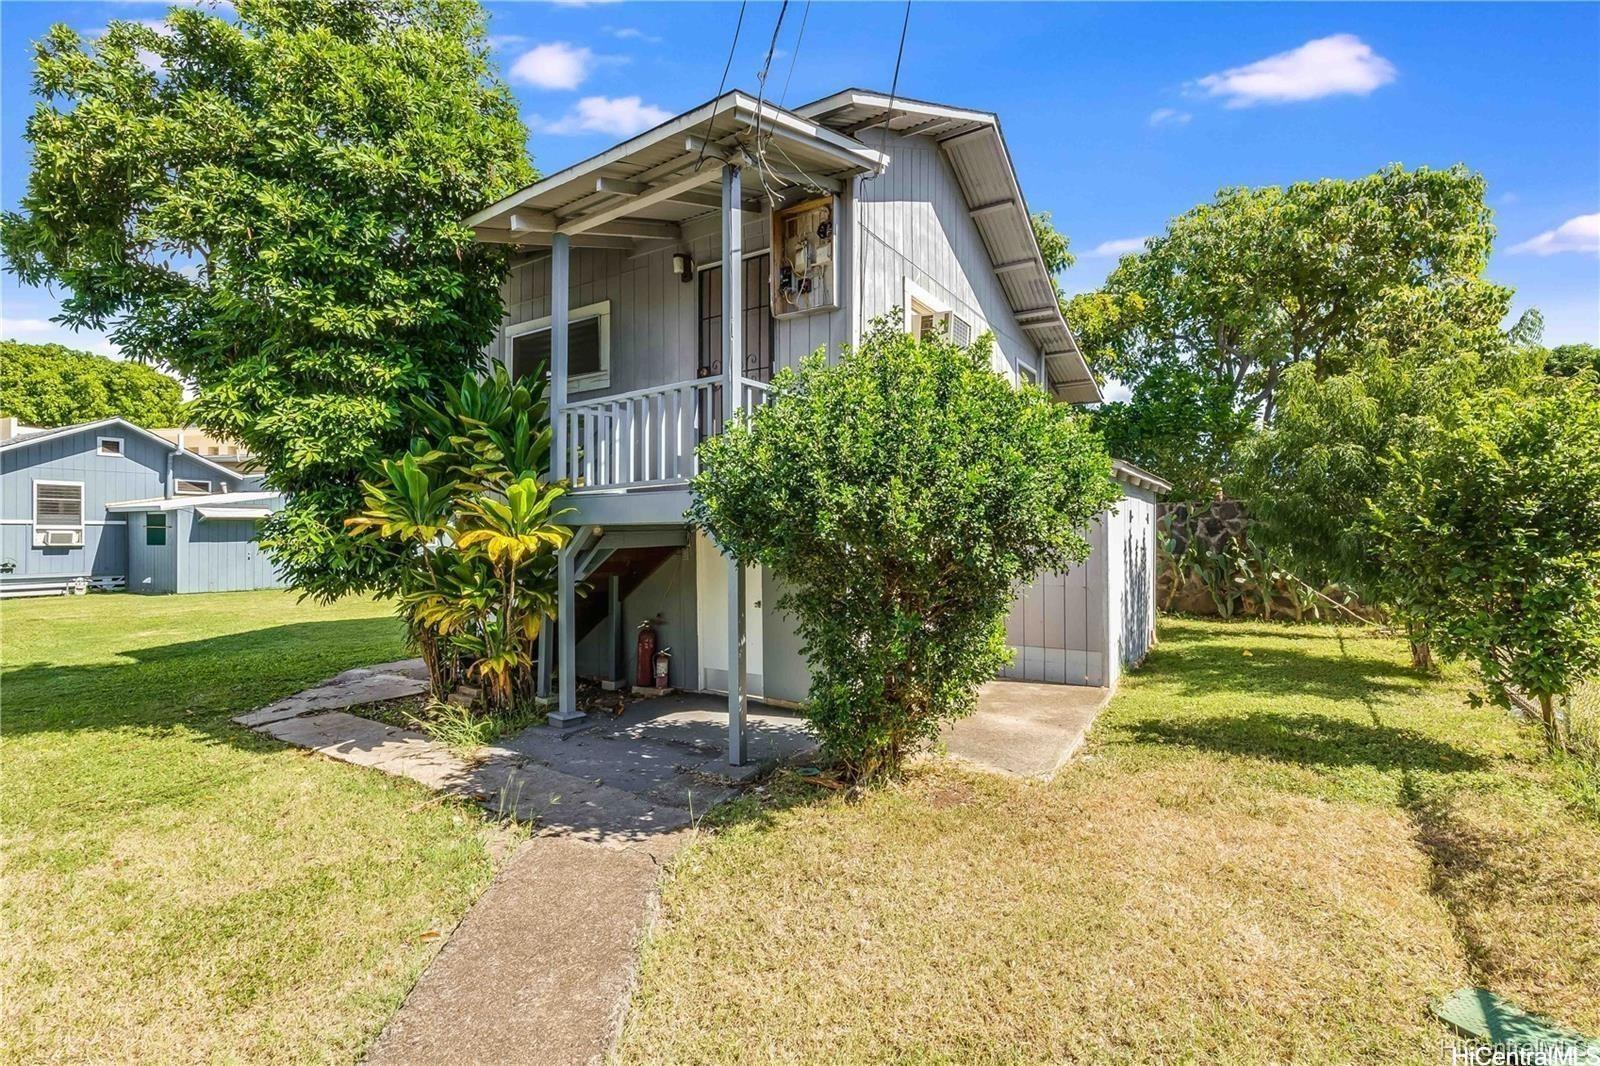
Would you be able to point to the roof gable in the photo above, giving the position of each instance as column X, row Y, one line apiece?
column 973, row 145
column 120, row 424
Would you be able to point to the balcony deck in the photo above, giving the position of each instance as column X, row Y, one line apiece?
column 632, row 455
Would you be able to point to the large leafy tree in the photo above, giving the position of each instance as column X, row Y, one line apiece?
column 1204, row 324
column 271, row 204
column 901, row 494
column 1310, row 477
column 1491, row 522
column 52, row 385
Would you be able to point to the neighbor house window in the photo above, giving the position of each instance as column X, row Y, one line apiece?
column 58, row 505
column 109, row 446
column 192, row 488
column 588, row 347
column 1026, row 375
column 155, row 528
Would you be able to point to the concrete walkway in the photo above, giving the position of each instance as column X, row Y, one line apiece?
column 540, row 969
column 1025, row 728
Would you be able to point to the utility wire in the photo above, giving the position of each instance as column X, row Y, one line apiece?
column 711, row 130
column 761, row 99
column 894, row 89
column 795, row 56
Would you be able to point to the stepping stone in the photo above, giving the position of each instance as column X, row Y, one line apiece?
column 343, row 691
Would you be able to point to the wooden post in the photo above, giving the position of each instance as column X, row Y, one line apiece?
column 566, row 565
column 560, row 299
column 732, row 403
column 615, row 668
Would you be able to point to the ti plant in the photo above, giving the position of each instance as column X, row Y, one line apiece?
column 475, row 524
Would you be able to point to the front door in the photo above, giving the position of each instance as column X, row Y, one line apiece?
column 756, row 359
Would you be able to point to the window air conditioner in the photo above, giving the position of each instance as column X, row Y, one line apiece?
column 61, row 538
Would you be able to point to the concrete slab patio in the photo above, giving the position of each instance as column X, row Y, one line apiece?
column 1025, row 728
column 540, row 969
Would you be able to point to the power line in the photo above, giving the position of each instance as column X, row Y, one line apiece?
column 761, row 99
column 795, row 56
column 894, row 88
column 711, row 130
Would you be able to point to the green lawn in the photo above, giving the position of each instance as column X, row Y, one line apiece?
column 177, row 888
column 1280, row 843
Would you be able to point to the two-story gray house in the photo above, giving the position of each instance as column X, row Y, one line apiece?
column 666, row 279
column 109, row 504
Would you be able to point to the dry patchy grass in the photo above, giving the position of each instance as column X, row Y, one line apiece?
column 178, row 888
column 1269, row 857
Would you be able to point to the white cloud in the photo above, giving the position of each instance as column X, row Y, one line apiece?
column 43, row 331
column 16, row 327
column 1169, row 116
column 621, row 116
column 630, row 33
column 1327, row 66
column 1119, row 247
column 556, row 65
column 499, row 41
column 1581, row 234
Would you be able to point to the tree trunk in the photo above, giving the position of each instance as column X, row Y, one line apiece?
column 1421, row 653
column 1552, row 728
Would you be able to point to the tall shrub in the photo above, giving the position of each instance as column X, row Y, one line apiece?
column 269, row 200
column 1491, row 521
column 902, row 495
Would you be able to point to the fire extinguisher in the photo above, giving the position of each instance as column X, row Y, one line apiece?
column 645, row 655
column 663, row 663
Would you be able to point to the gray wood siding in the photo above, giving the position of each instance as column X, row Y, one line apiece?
column 915, row 224
column 152, row 568
column 138, row 473
column 655, row 316
column 220, row 555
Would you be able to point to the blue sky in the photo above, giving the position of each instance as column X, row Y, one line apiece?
column 1119, row 116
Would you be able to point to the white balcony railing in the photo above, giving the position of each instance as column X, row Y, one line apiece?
column 646, row 437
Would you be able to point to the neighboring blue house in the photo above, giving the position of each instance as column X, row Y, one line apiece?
column 111, row 505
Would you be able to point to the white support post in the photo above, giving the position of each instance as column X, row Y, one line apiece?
column 545, row 646
column 738, row 678
column 567, row 636
column 560, row 302
column 732, row 402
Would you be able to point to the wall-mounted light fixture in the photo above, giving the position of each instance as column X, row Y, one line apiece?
column 683, row 266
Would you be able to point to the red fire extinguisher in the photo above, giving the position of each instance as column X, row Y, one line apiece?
column 663, row 667
column 644, row 663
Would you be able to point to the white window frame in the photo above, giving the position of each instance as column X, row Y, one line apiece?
column 40, row 527
column 120, row 453
column 920, row 303
column 601, row 378
column 178, row 481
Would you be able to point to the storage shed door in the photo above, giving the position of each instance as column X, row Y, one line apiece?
column 1056, row 626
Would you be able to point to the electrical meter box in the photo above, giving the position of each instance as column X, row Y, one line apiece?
column 805, row 269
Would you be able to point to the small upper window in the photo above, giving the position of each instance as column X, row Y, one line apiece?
column 1026, row 375
column 109, row 446
column 588, row 347
column 192, row 488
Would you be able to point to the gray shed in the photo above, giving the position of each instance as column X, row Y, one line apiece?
column 199, row 543
column 1083, row 626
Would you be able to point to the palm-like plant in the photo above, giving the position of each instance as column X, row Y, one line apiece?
column 476, row 528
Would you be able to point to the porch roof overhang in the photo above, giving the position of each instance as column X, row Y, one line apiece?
column 643, row 190
column 972, row 142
